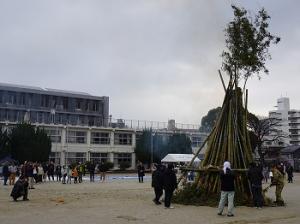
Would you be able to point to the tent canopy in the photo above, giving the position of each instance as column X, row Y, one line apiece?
column 177, row 158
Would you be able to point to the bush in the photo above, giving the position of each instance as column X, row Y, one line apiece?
column 124, row 165
column 108, row 165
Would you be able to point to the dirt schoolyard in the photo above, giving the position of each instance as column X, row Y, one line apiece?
column 123, row 200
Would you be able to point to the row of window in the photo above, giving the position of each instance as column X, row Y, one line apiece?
column 97, row 138
column 48, row 101
column 48, row 118
column 72, row 157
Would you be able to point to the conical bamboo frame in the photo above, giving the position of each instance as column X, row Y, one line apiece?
column 229, row 141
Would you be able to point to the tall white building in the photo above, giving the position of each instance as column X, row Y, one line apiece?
column 287, row 123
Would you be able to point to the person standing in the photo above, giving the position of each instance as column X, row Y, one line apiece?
column 58, row 173
column 13, row 172
column 5, row 173
column 278, row 181
column 227, row 189
column 255, row 177
column 266, row 174
column 35, row 172
column 80, row 172
column 45, row 169
column 69, row 171
column 141, row 172
column 91, row 168
column 289, row 171
column 40, row 173
column 50, row 172
column 29, row 173
column 157, row 183
column 102, row 170
column 169, row 184
column 75, row 174
column 64, row 174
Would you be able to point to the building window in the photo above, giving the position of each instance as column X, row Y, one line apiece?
column 98, row 157
column 78, row 137
column 95, row 106
column 78, row 104
column 55, row 157
column 45, row 101
column 22, row 99
column 101, row 138
column 65, row 103
column 75, row 157
column 196, row 141
column 122, row 157
column 12, row 99
column 54, row 134
column 123, row 139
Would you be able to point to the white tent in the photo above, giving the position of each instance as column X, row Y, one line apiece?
column 177, row 158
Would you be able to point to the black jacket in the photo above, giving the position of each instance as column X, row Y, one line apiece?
column 141, row 170
column 227, row 180
column 255, row 176
column 169, row 180
column 157, row 179
column 19, row 189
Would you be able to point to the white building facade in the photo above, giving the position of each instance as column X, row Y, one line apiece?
column 287, row 123
column 82, row 143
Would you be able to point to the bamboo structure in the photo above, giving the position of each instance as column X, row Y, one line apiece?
column 228, row 141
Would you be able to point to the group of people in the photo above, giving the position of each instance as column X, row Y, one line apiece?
column 286, row 169
column 255, row 177
column 30, row 173
column 164, row 179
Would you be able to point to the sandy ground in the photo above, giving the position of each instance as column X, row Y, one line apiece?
column 127, row 201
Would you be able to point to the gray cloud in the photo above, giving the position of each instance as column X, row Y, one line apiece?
column 155, row 59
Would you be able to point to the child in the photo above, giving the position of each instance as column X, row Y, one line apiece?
column 75, row 174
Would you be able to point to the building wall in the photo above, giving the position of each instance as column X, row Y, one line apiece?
column 288, row 122
column 67, row 149
column 294, row 127
column 50, row 106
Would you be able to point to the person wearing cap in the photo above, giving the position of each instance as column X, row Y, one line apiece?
column 227, row 189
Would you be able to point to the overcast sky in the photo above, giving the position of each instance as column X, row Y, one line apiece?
column 156, row 60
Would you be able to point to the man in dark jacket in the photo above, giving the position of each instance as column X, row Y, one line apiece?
column 169, row 184
column 5, row 173
column 50, row 171
column 289, row 171
column 141, row 172
column 227, row 189
column 91, row 169
column 20, row 189
column 255, row 177
column 157, row 183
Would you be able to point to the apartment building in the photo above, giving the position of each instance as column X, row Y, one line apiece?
column 287, row 123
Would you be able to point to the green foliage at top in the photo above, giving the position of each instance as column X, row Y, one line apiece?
column 208, row 121
column 248, row 41
column 28, row 143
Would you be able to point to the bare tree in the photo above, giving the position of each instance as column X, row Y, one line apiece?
column 264, row 130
